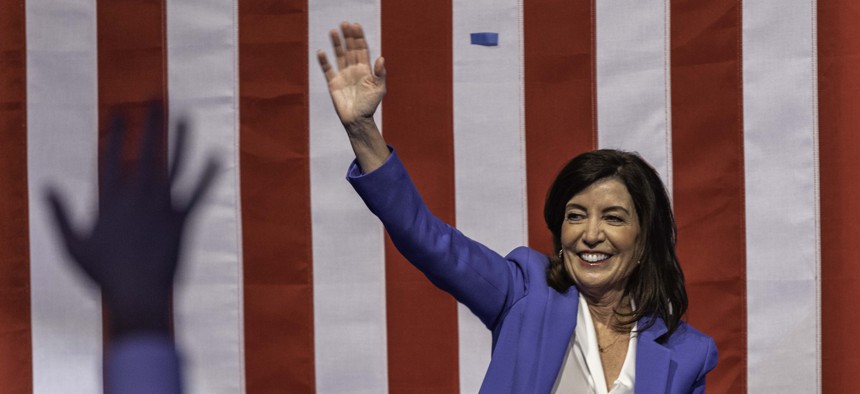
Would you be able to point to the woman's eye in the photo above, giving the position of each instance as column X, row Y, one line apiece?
column 574, row 216
column 614, row 219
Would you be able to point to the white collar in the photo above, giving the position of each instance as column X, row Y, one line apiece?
column 585, row 342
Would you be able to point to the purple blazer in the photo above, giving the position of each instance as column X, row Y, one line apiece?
column 531, row 322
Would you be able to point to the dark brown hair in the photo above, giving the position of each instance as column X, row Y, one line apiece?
column 657, row 283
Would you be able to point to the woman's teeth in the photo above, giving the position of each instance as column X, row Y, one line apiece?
column 593, row 257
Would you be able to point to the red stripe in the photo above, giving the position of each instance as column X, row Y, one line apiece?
column 839, row 118
column 707, row 146
column 132, row 72
column 132, row 69
column 132, row 58
column 418, row 121
column 16, row 369
column 559, row 96
column 275, row 195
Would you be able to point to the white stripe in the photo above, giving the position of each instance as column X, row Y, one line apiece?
column 632, row 79
column 779, row 146
column 817, row 193
column 202, row 50
column 488, row 151
column 350, row 339
column 62, row 140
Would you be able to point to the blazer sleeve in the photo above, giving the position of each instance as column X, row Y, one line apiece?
column 142, row 364
column 710, row 364
column 476, row 276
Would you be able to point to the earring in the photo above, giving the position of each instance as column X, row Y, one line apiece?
column 560, row 254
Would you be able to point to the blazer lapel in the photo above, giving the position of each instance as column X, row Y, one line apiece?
column 652, row 360
column 557, row 331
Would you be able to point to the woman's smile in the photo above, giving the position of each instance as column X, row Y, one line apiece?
column 600, row 236
column 593, row 259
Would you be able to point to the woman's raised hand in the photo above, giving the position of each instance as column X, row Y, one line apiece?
column 355, row 90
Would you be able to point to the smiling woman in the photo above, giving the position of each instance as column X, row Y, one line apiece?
column 625, row 196
column 612, row 224
column 560, row 323
column 600, row 235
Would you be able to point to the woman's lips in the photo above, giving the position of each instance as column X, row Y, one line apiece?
column 593, row 259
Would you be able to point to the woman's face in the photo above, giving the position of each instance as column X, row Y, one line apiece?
column 600, row 237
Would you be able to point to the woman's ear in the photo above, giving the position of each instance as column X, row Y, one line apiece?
column 640, row 248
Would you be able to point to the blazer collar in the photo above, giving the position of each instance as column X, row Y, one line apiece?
column 557, row 332
column 652, row 359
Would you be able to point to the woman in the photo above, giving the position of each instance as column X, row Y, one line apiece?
column 600, row 316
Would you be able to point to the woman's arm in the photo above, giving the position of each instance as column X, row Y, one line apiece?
column 710, row 363
column 478, row 277
column 475, row 275
column 356, row 92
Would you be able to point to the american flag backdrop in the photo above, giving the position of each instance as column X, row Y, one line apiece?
column 749, row 109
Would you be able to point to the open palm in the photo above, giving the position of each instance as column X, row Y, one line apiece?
column 355, row 89
column 132, row 250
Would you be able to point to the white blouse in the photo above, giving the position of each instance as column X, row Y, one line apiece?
column 582, row 370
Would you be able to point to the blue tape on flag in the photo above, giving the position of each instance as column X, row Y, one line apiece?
column 485, row 39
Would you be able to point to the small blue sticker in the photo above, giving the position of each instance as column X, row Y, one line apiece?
column 485, row 39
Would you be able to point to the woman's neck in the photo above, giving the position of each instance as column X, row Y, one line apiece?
column 605, row 307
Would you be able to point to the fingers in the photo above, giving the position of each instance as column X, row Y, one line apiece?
column 339, row 52
column 326, row 67
column 353, row 49
column 70, row 237
column 153, row 140
column 203, row 184
column 111, row 162
column 349, row 37
column 362, row 51
column 177, row 159
column 379, row 68
column 350, row 50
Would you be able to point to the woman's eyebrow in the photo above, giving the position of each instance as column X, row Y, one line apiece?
column 605, row 210
column 616, row 208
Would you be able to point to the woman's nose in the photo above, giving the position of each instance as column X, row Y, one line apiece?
column 593, row 234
